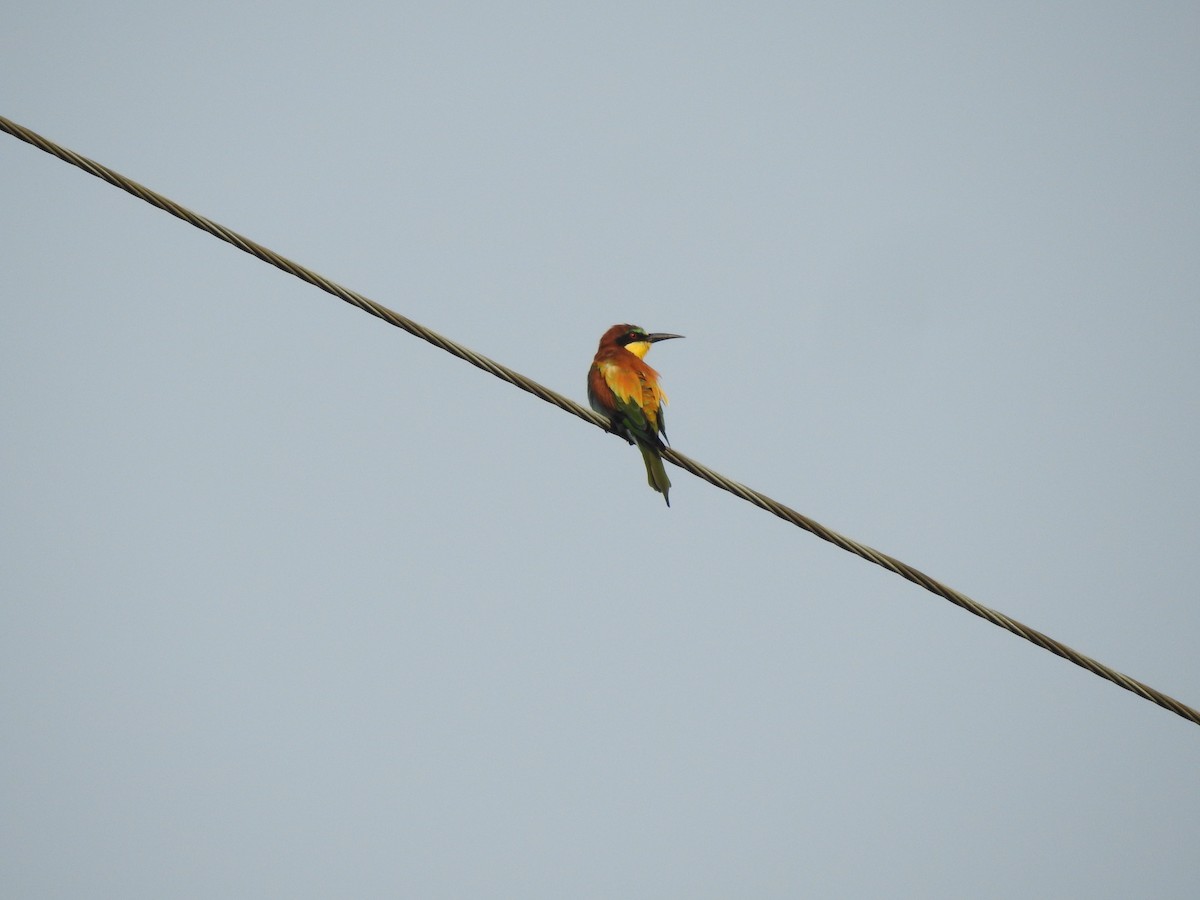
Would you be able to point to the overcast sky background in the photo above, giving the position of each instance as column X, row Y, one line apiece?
column 294, row 604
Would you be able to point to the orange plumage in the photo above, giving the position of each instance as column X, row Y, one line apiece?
column 624, row 388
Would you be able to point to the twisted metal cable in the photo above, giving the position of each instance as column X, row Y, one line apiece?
column 916, row 576
column 304, row 274
column 518, row 380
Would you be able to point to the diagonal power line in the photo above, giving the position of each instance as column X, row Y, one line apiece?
column 518, row 380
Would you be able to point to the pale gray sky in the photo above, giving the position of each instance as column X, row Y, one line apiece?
column 296, row 605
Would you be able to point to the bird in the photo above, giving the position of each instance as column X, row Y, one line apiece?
column 623, row 388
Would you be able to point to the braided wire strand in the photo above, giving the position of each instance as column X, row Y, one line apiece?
column 916, row 576
column 516, row 379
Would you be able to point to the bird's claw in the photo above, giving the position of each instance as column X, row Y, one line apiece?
column 614, row 428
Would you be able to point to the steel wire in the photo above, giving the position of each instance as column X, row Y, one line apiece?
column 526, row 384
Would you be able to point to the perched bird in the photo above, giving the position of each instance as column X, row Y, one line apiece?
column 626, row 390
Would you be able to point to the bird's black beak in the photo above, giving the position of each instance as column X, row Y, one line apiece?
column 661, row 337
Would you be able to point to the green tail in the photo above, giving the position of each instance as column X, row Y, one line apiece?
column 656, row 473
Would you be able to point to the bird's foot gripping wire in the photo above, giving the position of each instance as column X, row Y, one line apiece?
column 620, row 431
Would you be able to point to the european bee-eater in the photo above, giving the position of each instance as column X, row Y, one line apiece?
column 626, row 390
